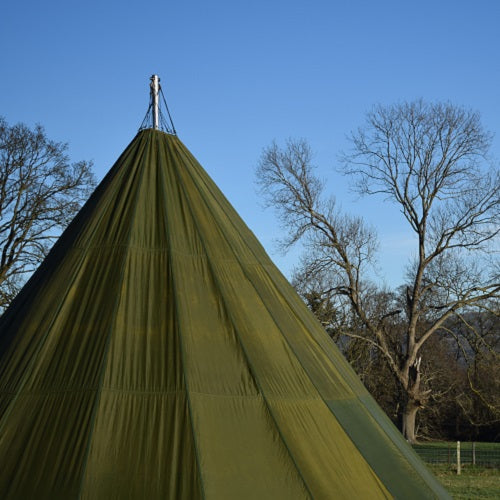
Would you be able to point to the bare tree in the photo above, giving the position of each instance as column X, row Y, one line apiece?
column 40, row 192
column 427, row 159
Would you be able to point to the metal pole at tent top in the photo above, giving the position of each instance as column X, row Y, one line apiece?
column 155, row 118
column 155, row 92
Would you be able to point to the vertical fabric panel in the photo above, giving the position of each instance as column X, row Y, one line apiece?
column 240, row 449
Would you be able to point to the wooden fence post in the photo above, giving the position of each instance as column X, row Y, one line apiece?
column 459, row 465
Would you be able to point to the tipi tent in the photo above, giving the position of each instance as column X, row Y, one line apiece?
column 158, row 353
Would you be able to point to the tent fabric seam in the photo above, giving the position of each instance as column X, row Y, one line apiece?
column 183, row 361
column 99, row 391
column 249, row 363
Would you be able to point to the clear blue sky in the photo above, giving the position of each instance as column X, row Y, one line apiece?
column 239, row 74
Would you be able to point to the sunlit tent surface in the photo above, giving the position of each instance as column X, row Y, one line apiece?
column 158, row 353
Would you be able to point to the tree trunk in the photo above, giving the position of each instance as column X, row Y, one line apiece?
column 409, row 417
column 414, row 398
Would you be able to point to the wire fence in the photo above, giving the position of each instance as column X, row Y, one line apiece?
column 475, row 454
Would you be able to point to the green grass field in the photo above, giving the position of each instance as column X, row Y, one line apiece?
column 474, row 483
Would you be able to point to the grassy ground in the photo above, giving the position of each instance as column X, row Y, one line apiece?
column 474, row 483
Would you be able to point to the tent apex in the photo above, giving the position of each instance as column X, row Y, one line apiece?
column 156, row 117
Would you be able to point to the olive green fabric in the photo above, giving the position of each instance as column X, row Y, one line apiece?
column 158, row 353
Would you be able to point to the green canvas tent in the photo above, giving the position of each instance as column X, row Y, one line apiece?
column 158, row 353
